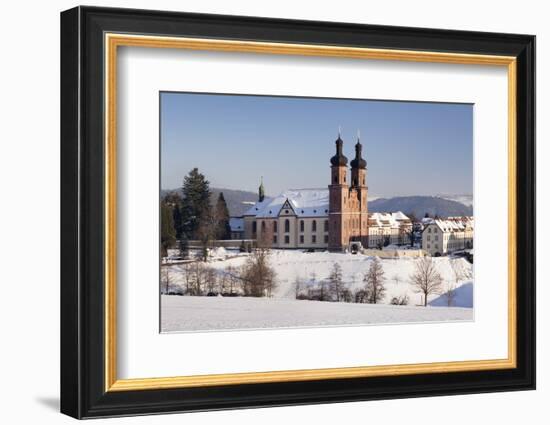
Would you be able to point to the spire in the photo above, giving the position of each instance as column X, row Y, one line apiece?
column 261, row 191
column 358, row 161
column 339, row 160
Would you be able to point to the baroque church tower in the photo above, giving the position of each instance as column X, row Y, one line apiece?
column 348, row 206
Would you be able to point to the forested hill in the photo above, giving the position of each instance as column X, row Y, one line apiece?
column 420, row 205
column 238, row 201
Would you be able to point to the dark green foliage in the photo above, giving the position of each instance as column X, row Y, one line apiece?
column 195, row 206
column 221, row 214
column 167, row 230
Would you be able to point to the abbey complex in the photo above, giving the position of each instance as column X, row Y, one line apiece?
column 333, row 218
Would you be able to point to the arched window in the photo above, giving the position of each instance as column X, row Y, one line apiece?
column 253, row 227
column 326, row 225
column 314, row 226
column 275, row 226
column 287, row 225
column 301, row 225
column 263, row 226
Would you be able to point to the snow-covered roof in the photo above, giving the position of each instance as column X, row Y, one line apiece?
column 454, row 224
column 394, row 219
column 304, row 203
column 236, row 224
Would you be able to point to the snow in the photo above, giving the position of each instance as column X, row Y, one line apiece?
column 304, row 202
column 182, row 313
column 241, row 312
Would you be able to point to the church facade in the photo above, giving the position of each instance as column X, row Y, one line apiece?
column 330, row 218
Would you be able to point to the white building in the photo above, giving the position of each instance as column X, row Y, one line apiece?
column 298, row 218
column 441, row 237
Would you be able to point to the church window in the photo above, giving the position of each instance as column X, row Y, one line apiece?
column 314, row 226
column 287, row 226
column 335, row 179
column 301, row 238
column 263, row 226
column 301, row 225
column 274, row 238
column 313, row 239
column 253, row 227
column 287, row 239
column 275, row 226
column 326, row 225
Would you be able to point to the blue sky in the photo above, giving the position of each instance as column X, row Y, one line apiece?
column 411, row 148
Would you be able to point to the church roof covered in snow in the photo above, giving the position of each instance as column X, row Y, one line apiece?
column 304, row 203
column 236, row 224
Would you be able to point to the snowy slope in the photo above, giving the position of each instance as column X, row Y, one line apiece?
column 180, row 313
column 290, row 264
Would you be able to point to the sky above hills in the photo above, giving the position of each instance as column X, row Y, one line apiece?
column 411, row 148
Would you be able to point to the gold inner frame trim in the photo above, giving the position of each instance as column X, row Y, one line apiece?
column 113, row 41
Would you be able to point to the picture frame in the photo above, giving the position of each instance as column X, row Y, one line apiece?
column 90, row 39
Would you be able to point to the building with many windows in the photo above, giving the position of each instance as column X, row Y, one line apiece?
column 325, row 218
column 441, row 237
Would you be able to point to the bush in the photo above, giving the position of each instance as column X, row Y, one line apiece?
column 402, row 300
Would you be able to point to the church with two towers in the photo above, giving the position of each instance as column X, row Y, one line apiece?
column 329, row 218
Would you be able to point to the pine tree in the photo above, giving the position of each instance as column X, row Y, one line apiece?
column 174, row 200
column 167, row 231
column 223, row 230
column 195, row 207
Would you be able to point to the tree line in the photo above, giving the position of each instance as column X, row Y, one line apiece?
column 425, row 280
column 255, row 278
column 191, row 216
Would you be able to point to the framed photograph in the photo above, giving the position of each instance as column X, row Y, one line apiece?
column 261, row 212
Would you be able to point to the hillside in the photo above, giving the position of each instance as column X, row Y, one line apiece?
column 238, row 201
column 420, row 205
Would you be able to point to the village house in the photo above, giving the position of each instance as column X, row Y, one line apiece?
column 441, row 237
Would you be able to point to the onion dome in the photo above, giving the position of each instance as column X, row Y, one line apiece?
column 339, row 160
column 358, row 161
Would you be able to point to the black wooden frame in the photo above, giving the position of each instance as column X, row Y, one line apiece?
column 82, row 203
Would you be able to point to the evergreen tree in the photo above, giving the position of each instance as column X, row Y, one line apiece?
column 195, row 204
column 174, row 200
column 223, row 230
column 167, row 231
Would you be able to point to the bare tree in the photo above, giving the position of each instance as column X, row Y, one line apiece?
column 374, row 282
column 198, row 278
column 188, row 277
column 257, row 276
column 336, row 282
column 166, row 279
column 210, row 280
column 206, row 233
column 426, row 279
column 233, row 279
column 298, row 284
column 450, row 293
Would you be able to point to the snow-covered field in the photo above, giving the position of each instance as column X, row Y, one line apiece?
column 185, row 313
column 181, row 313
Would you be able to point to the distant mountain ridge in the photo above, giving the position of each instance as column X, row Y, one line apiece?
column 420, row 206
column 238, row 201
